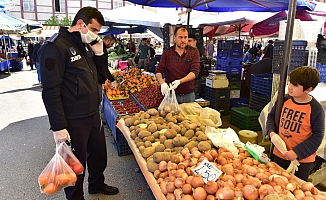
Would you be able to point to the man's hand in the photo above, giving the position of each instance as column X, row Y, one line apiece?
column 61, row 136
column 175, row 84
column 290, row 155
column 98, row 47
column 165, row 89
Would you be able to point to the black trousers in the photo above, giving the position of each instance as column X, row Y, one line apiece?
column 89, row 145
column 303, row 170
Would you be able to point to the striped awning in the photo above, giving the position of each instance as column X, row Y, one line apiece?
column 51, row 28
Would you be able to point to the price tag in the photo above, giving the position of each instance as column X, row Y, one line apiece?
column 208, row 171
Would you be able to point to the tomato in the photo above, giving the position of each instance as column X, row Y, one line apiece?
column 50, row 189
column 78, row 168
column 72, row 178
column 46, row 178
column 63, row 178
column 72, row 161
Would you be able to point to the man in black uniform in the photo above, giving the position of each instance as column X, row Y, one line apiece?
column 71, row 96
column 30, row 53
column 104, row 73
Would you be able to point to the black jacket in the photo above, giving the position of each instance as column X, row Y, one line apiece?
column 69, row 78
column 36, row 53
column 30, row 49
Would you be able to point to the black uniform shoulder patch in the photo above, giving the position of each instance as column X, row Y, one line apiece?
column 53, row 38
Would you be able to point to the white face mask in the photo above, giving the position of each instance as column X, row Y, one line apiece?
column 88, row 37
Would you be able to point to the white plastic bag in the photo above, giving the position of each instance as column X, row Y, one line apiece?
column 169, row 104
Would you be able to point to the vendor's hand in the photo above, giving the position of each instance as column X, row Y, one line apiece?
column 290, row 155
column 98, row 47
column 165, row 89
column 114, row 84
column 61, row 136
column 175, row 84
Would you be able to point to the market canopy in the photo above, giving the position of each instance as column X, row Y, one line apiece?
column 226, row 6
column 13, row 25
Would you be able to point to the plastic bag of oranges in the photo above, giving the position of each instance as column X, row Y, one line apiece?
column 56, row 175
column 70, row 158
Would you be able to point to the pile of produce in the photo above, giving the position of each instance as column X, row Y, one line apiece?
column 149, row 97
column 132, row 80
column 174, row 146
column 125, row 107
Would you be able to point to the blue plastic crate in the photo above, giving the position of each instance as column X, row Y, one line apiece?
column 230, row 44
column 261, row 83
column 110, row 115
column 234, row 77
column 239, row 102
column 230, row 69
column 229, row 53
column 322, row 69
column 229, row 61
column 122, row 145
column 258, row 101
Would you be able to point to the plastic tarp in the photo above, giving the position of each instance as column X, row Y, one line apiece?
column 10, row 24
column 226, row 6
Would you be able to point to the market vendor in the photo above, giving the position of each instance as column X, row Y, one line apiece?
column 181, row 63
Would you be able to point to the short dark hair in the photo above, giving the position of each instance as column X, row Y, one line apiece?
column 144, row 39
column 270, row 41
column 87, row 14
column 109, row 37
column 305, row 76
column 193, row 36
column 179, row 27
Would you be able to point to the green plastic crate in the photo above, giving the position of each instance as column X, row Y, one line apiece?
column 245, row 118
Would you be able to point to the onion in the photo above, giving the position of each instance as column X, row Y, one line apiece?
column 159, row 180
column 184, row 151
column 225, row 193
column 175, row 158
column 162, row 166
column 170, row 196
column 228, row 169
column 279, row 189
column 214, row 153
column 187, row 197
column 221, row 160
column 187, row 189
column 193, row 161
column 199, row 194
column 193, row 149
column 197, row 181
column 239, row 185
column 179, row 182
column 291, row 186
column 178, row 193
column 285, row 174
column 163, row 187
column 238, row 192
column 201, row 158
column 164, row 175
column 256, row 162
column 272, row 170
column 187, row 156
column 157, row 173
column 211, row 187
column 252, row 171
column 261, row 166
column 170, row 187
column 210, row 197
column 319, row 197
column 182, row 166
column 227, row 178
column 248, row 161
column 256, row 182
column 307, row 194
column 241, row 150
column 265, row 190
column 221, row 149
column 308, row 198
column 298, row 194
column 250, row 192
column 208, row 156
column 189, row 171
column 229, row 155
column 246, row 180
column 307, row 186
column 196, row 154
column 188, row 179
column 270, row 164
column 179, row 173
column 238, row 177
column 236, row 164
column 170, row 179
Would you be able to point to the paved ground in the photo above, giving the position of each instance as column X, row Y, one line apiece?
column 27, row 145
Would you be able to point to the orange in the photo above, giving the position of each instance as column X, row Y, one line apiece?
column 50, row 188
column 46, row 178
column 63, row 178
column 73, row 178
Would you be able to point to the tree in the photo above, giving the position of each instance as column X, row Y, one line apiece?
column 56, row 21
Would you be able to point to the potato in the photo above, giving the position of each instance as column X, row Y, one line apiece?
column 131, row 128
column 160, row 156
column 189, row 134
column 197, row 129
column 180, row 118
column 170, row 133
column 129, row 122
column 140, row 129
column 170, row 118
column 149, row 121
column 169, row 144
column 152, row 127
column 170, row 124
column 138, row 144
column 133, row 134
column 167, row 150
column 191, row 145
column 199, row 133
column 156, row 134
column 178, row 149
column 147, row 152
column 148, row 144
column 145, row 116
column 183, row 130
column 150, row 138
column 144, row 133
column 162, row 139
column 152, row 166
column 176, row 128
column 162, row 113
column 193, row 126
column 202, row 137
column 152, row 111
column 167, row 109
column 136, row 122
column 204, row 146
column 203, row 128
column 160, row 148
column 180, row 141
column 157, row 140
column 137, row 139
column 159, row 120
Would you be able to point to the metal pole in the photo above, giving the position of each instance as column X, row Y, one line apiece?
column 286, row 58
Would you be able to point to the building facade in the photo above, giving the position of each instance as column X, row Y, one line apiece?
column 41, row 10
